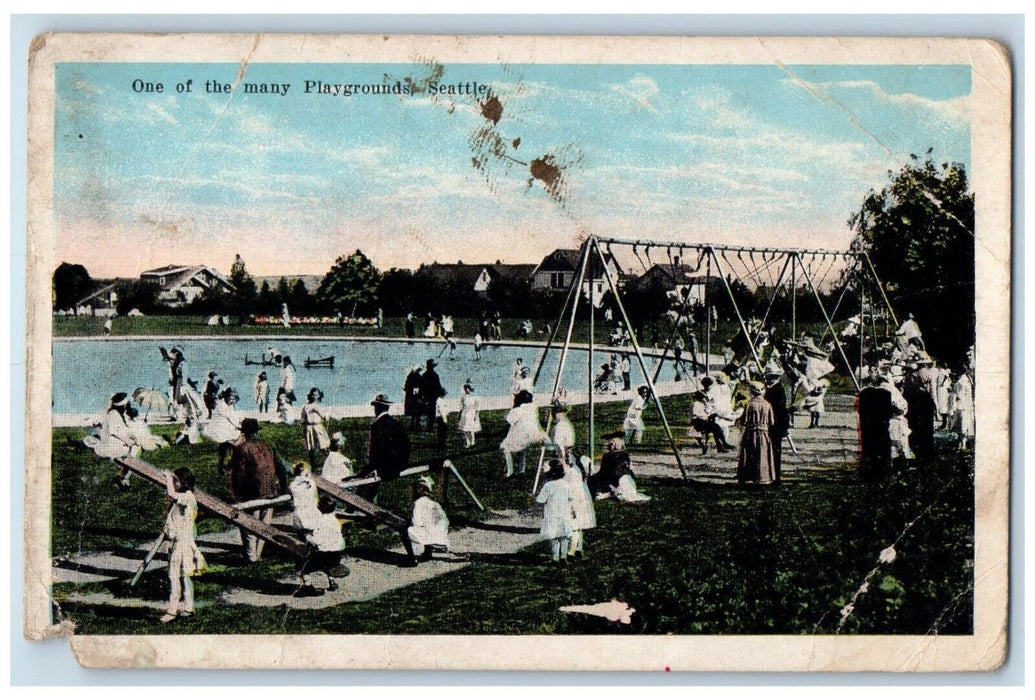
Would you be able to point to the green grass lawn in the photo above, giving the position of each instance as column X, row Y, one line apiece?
column 697, row 559
column 168, row 325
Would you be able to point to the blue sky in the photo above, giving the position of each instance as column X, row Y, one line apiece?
column 761, row 155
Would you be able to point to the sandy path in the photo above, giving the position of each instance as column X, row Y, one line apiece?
column 373, row 572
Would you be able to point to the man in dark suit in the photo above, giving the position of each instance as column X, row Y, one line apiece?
column 430, row 390
column 388, row 451
column 777, row 398
column 875, row 413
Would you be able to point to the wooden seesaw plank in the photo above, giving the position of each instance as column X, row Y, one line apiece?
column 263, row 531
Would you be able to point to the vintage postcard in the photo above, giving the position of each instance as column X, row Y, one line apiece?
column 538, row 353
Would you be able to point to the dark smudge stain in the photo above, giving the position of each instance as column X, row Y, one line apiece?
column 492, row 109
column 546, row 171
column 552, row 169
column 517, row 142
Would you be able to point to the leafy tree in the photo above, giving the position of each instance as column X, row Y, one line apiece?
column 396, row 292
column 137, row 294
column 283, row 293
column 244, row 296
column 919, row 234
column 267, row 301
column 351, row 285
column 71, row 283
column 299, row 300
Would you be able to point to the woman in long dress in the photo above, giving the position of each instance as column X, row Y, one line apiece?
column 470, row 422
column 756, row 447
column 314, row 435
column 524, row 432
column 557, row 511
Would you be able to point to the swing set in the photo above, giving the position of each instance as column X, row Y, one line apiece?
column 853, row 270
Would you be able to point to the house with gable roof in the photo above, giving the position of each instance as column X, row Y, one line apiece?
column 179, row 285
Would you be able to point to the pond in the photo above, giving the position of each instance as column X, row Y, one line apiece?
column 88, row 371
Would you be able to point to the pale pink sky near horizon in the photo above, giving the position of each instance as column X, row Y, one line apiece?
column 288, row 253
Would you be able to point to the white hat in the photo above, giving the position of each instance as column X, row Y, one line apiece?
column 338, row 437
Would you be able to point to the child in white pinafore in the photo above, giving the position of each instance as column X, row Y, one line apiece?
column 185, row 558
column 557, row 508
column 584, row 516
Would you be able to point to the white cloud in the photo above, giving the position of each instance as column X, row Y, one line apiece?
column 955, row 111
column 640, row 89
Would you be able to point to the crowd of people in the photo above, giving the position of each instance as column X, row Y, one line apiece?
column 905, row 398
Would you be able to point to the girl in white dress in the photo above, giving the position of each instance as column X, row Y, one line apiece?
column 337, row 467
column 557, row 511
column 524, row 432
column 633, row 425
column 584, row 516
column 563, row 430
column 185, row 558
column 470, row 422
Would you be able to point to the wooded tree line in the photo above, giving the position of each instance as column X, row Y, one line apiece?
column 918, row 231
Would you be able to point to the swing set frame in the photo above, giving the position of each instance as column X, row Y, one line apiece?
column 593, row 261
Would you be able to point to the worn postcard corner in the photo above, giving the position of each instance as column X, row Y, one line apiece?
column 519, row 353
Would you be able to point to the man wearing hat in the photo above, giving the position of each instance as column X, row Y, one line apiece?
column 252, row 475
column 389, row 447
column 430, row 392
column 776, row 395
